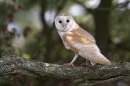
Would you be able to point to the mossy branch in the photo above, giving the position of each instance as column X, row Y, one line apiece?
column 12, row 64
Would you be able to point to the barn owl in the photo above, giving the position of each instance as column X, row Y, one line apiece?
column 78, row 40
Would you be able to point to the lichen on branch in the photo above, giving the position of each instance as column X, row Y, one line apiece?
column 12, row 64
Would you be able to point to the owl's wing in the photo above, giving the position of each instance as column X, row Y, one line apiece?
column 85, row 48
column 92, row 53
column 83, row 33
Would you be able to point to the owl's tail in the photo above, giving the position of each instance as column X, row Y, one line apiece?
column 101, row 59
column 96, row 58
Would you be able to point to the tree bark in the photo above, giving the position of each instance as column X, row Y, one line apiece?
column 12, row 64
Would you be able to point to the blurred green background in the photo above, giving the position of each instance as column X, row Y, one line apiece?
column 27, row 29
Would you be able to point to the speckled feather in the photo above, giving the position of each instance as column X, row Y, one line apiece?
column 81, row 32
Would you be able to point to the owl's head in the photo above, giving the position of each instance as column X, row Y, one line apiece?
column 64, row 22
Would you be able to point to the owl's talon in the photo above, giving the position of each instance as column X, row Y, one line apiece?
column 87, row 63
column 84, row 64
column 68, row 64
column 92, row 66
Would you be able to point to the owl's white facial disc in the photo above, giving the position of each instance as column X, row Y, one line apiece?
column 63, row 22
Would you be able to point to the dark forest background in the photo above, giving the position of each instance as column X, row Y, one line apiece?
column 27, row 29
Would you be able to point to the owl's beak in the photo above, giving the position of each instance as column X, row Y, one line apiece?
column 64, row 25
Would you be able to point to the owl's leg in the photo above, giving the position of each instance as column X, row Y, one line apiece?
column 87, row 63
column 95, row 64
column 73, row 60
column 92, row 63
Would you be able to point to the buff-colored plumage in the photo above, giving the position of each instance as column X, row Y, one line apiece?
column 78, row 40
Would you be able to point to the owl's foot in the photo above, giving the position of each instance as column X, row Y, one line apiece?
column 91, row 66
column 85, row 64
column 68, row 64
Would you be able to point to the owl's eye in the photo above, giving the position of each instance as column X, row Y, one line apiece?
column 67, row 20
column 60, row 21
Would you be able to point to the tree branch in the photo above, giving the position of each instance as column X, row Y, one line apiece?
column 12, row 64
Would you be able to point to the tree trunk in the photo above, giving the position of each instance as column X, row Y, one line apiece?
column 101, row 18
